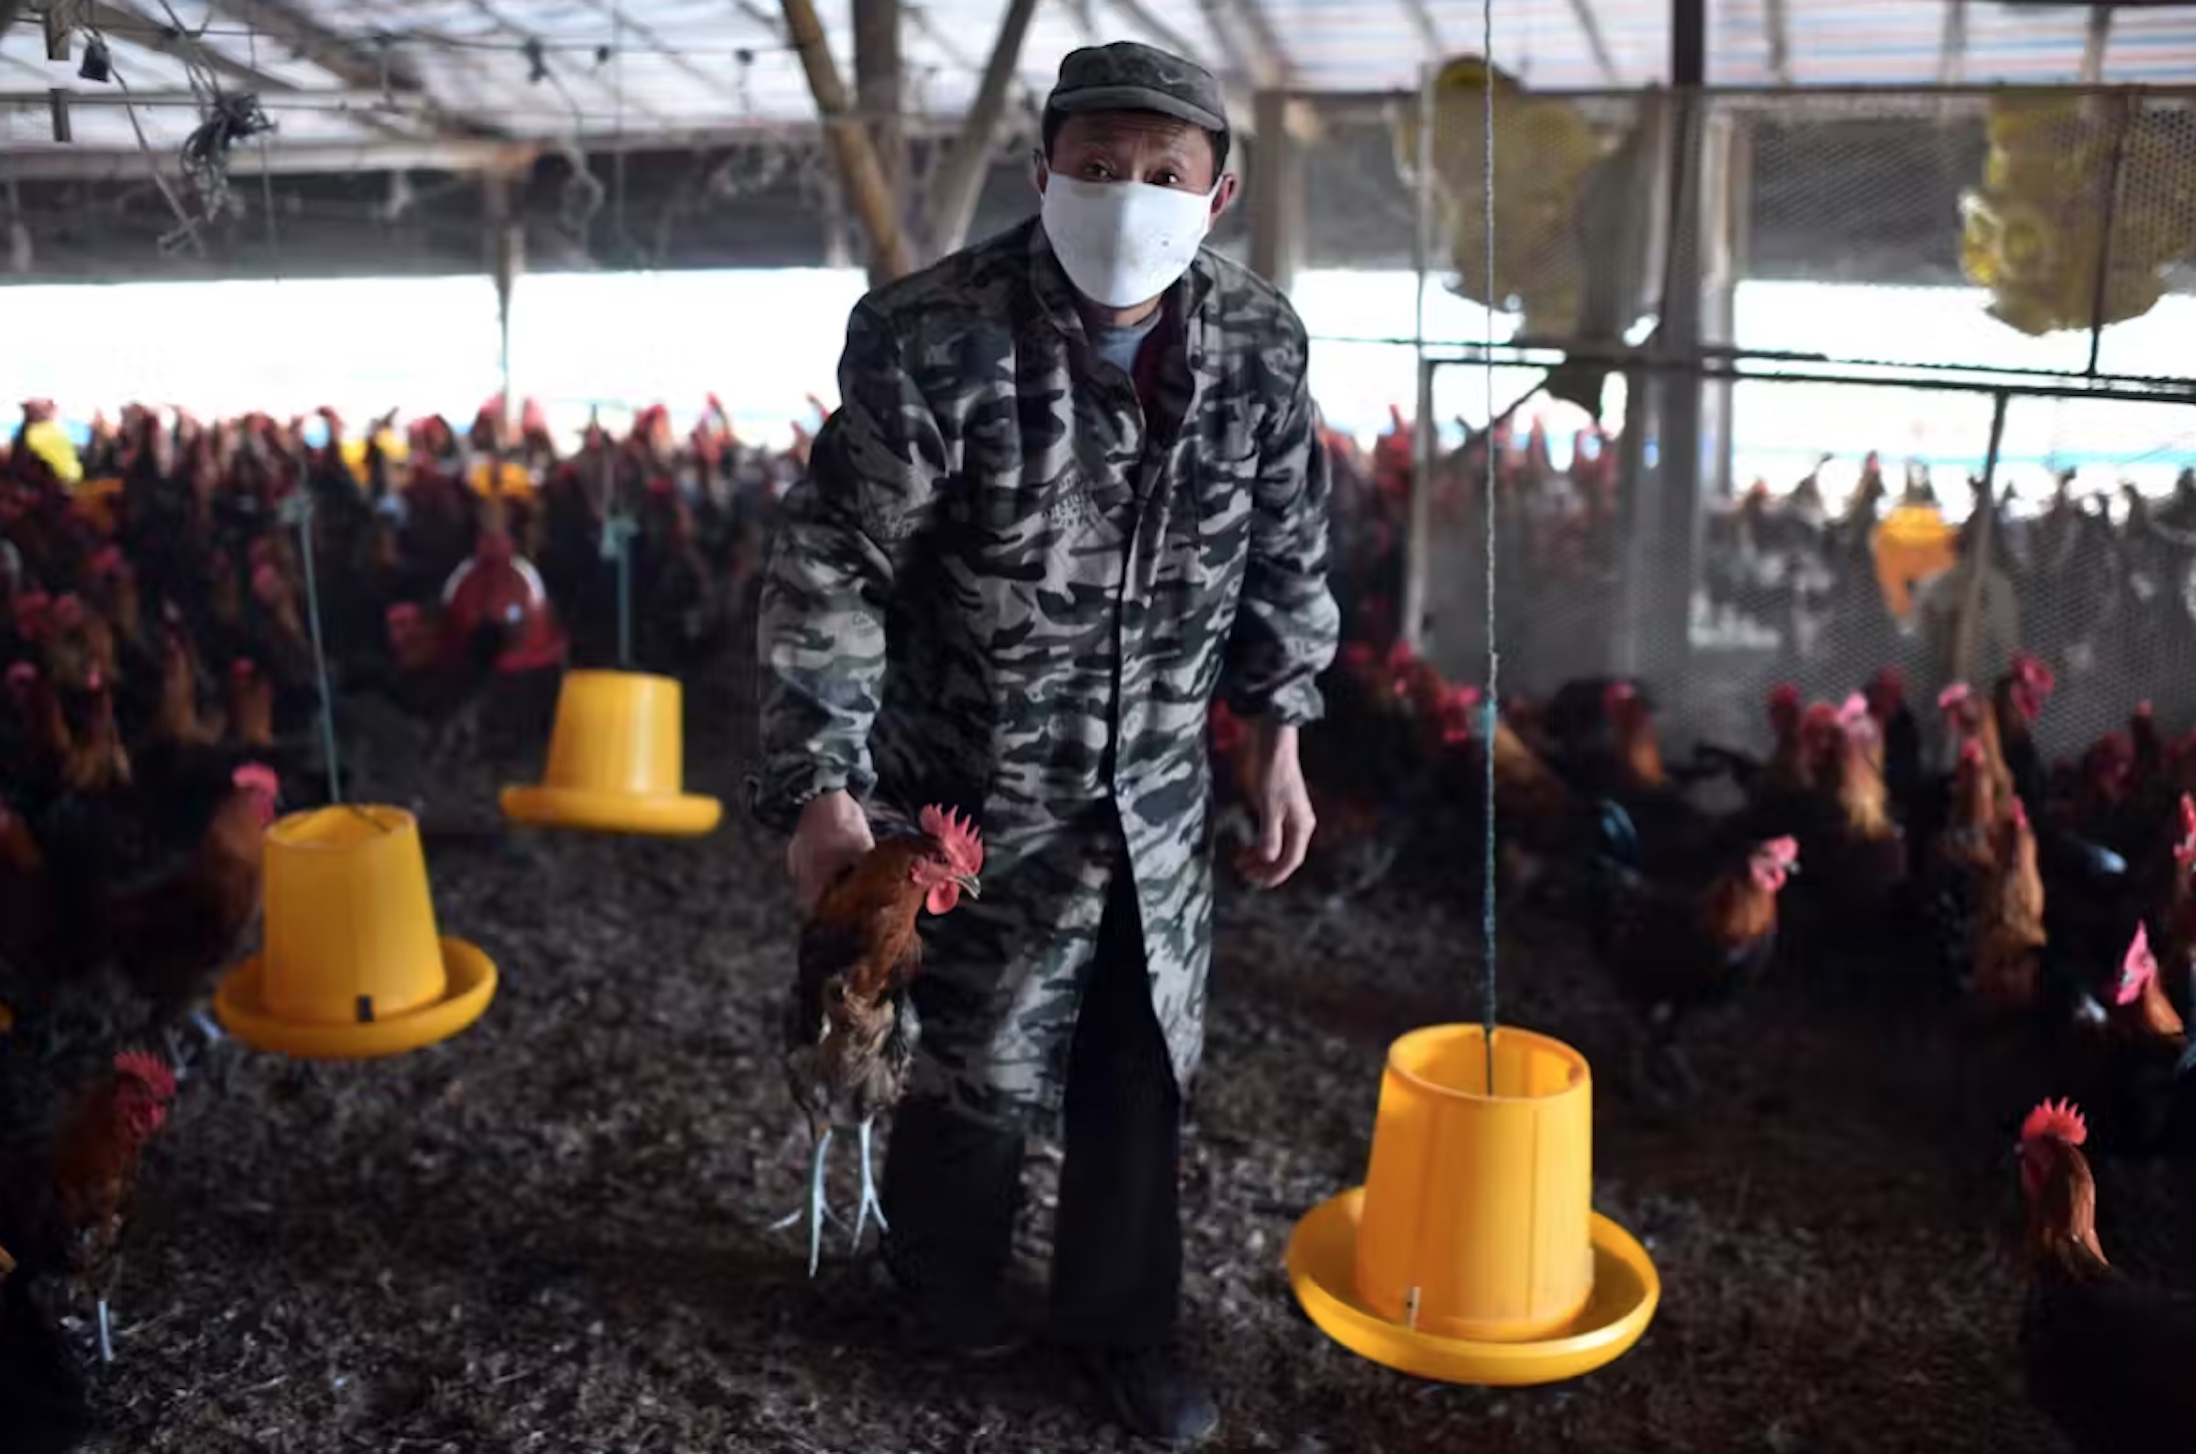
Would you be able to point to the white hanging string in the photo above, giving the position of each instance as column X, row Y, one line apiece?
column 1491, row 702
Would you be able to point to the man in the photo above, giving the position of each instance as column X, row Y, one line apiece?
column 1073, row 488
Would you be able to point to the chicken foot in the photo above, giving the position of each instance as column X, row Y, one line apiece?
column 816, row 1211
column 870, row 1206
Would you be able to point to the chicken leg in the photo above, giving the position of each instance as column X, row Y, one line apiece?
column 816, row 1211
column 870, row 1206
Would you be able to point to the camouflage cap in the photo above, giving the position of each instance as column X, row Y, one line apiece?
column 1125, row 76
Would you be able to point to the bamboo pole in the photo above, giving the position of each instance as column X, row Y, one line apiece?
column 858, row 170
column 961, row 185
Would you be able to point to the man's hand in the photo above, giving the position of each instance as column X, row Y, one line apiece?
column 833, row 832
column 1280, row 804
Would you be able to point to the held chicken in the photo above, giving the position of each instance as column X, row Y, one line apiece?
column 850, row 1028
column 2107, row 1358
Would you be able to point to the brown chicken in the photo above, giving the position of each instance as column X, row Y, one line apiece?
column 1638, row 756
column 1861, row 859
column 2107, row 1358
column 65, row 1200
column 251, row 705
column 177, row 717
column 2009, row 927
column 850, row 1028
column 26, row 898
column 172, row 936
column 1789, row 773
column 1674, row 947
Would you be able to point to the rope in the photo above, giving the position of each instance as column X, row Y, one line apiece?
column 302, row 504
column 1490, row 704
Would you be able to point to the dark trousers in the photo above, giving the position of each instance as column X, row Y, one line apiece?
column 953, row 1185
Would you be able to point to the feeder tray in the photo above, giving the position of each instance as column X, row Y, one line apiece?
column 616, row 761
column 1472, row 1253
column 352, row 966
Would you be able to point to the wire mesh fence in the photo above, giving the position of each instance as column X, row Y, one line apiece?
column 1965, row 246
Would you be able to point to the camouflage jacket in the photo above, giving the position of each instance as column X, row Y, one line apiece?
column 1002, row 588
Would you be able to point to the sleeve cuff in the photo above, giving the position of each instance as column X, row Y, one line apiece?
column 777, row 797
column 1295, row 705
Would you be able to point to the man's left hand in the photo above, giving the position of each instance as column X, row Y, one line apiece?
column 1281, row 805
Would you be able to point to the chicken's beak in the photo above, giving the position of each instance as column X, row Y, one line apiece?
column 969, row 885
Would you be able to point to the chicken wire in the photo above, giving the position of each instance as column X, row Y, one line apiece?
column 2034, row 244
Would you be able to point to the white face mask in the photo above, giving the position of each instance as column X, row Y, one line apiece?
column 1124, row 243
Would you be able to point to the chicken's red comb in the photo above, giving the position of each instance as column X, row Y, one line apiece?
column 963, row 845
column 403, row 613
column 242, row 668
column 2031, row 669
column 1784, row 696
column 147, row 1070
column 1955, row 695
column 1357, row 653
column 68, row 612
column 23, row 674
column 2059, row 1120
column 2188, row 814
column 1464, row 695
column 2143, row 708
column 257, row 777
column 108, row 562
column 266, row 582
column 1785, row 850
column 1619, row 692
column 1400, row 654
column 1855, row 710
column 1889, row 679
column 2138, row 966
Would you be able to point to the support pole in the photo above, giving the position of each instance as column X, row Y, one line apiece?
column 858, row 170
column 506, row 260
column 1673, row 511
column 961, row 185
column 1277, row 193
column 878, row 90
column 1418, row 519
column 1980, row 549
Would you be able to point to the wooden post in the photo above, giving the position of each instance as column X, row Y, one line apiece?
column 1276, row 193
column 858, row 170
column 507, row 259
column 878, row 92
column 961, row 185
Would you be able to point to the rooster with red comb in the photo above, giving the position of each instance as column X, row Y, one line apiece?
column 850, row 1029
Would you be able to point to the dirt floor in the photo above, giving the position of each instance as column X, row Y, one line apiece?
column 547, row 1234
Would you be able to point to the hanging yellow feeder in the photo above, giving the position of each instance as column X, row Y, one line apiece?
column 352, row 966
column 1912, row 544
column 353, row 451
column 616, row 761
column 1472, row 1254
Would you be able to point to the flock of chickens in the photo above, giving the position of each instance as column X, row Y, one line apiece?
column 157, row 641
column 2053, row 910
column 157, row 635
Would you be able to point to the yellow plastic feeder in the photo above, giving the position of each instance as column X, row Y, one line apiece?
column 1472, row 1254
column 616, row 761
column 352, row 966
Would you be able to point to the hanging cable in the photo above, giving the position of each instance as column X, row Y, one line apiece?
column 299, row 506
column 1491, row 703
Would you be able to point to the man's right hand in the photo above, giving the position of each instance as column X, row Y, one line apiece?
column 833, row 832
